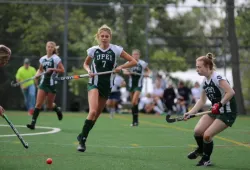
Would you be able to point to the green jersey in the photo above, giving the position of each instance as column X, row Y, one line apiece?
column 103, row 60
column 49, row 62
column 215, row 93
column 137, row 80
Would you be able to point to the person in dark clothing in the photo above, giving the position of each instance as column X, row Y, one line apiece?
column 168, row 98
column 184, row 94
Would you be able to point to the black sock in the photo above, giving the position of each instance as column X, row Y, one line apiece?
column 199, row 141
column 208, row 149
column 92, row 125
column 55, row 108
column 135, row 113
column 35, row 116
column 88, row 125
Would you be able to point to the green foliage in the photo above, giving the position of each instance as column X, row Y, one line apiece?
column 78, row 86
column 168, row 61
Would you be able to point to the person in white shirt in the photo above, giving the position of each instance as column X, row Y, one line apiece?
column 115, row 95
column 196, row 92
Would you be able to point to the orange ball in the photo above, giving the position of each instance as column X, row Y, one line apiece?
column 49, row 161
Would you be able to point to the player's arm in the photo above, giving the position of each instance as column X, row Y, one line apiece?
column 1, row 111
column 229, row 92
column 199, row 104
column 87, row 63
column 131, row 62
column 59, row 69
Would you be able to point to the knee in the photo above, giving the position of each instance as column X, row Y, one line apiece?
column 198, row 132
column 207, row 137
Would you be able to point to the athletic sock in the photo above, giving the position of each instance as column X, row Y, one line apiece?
column 208, row 148
column 55, row 108
column 88, row 125
column 35, row 116
column 199, row 141
column 135, row 113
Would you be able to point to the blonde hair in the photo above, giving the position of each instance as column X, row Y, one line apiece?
column 208, row 61
column 136, row 50
column 55, row 47
column 103, row 28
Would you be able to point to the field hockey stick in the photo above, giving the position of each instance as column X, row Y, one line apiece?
column 138, row 74
column 181, row 118
column 80, row 76
column 25, row 144
column 24, row 81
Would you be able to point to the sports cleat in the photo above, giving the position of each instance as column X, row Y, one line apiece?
column 30, row 126
column 59, row 114
column 134, row 124
column 204, row 162
column 194, row 154
column 82, row 140
column 81, row 147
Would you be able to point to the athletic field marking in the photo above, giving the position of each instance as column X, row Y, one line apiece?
column 53, row 130
column 186, row 130
column 119, row 147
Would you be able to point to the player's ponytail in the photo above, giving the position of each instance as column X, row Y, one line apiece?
column 210, row 56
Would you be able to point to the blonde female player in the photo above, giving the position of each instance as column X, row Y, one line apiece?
column 5, row 54
column 216, row 88
column 136, row 75
column 101, row 58
column 51, row 64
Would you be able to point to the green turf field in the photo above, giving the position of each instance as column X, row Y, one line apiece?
column 114, row 145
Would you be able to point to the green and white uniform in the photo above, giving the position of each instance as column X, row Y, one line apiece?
column 47, row 83
column 136, row 81
column 103, row 60
column 215, row 93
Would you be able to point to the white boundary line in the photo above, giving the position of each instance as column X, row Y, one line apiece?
column 53, row 130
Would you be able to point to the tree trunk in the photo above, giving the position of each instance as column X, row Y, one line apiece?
column 234, row 49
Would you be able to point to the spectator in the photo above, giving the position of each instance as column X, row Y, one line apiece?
column 196, row 92
column 28, row 88
column 158, row 94
column 184, row 96
column 168, row 98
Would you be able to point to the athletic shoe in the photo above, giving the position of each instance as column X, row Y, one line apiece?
column 59, row 114
column 30, row 126
column 81, row 147
column 194, row 154
column 134, row 124
column 204, row 161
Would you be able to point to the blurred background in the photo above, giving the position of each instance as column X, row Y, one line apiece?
column 171, row 34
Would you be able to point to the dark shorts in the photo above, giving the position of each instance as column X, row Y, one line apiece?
column 47, row 88
column 134, row 89
column 103, row 92
column 115, row 96
column 227, row 118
